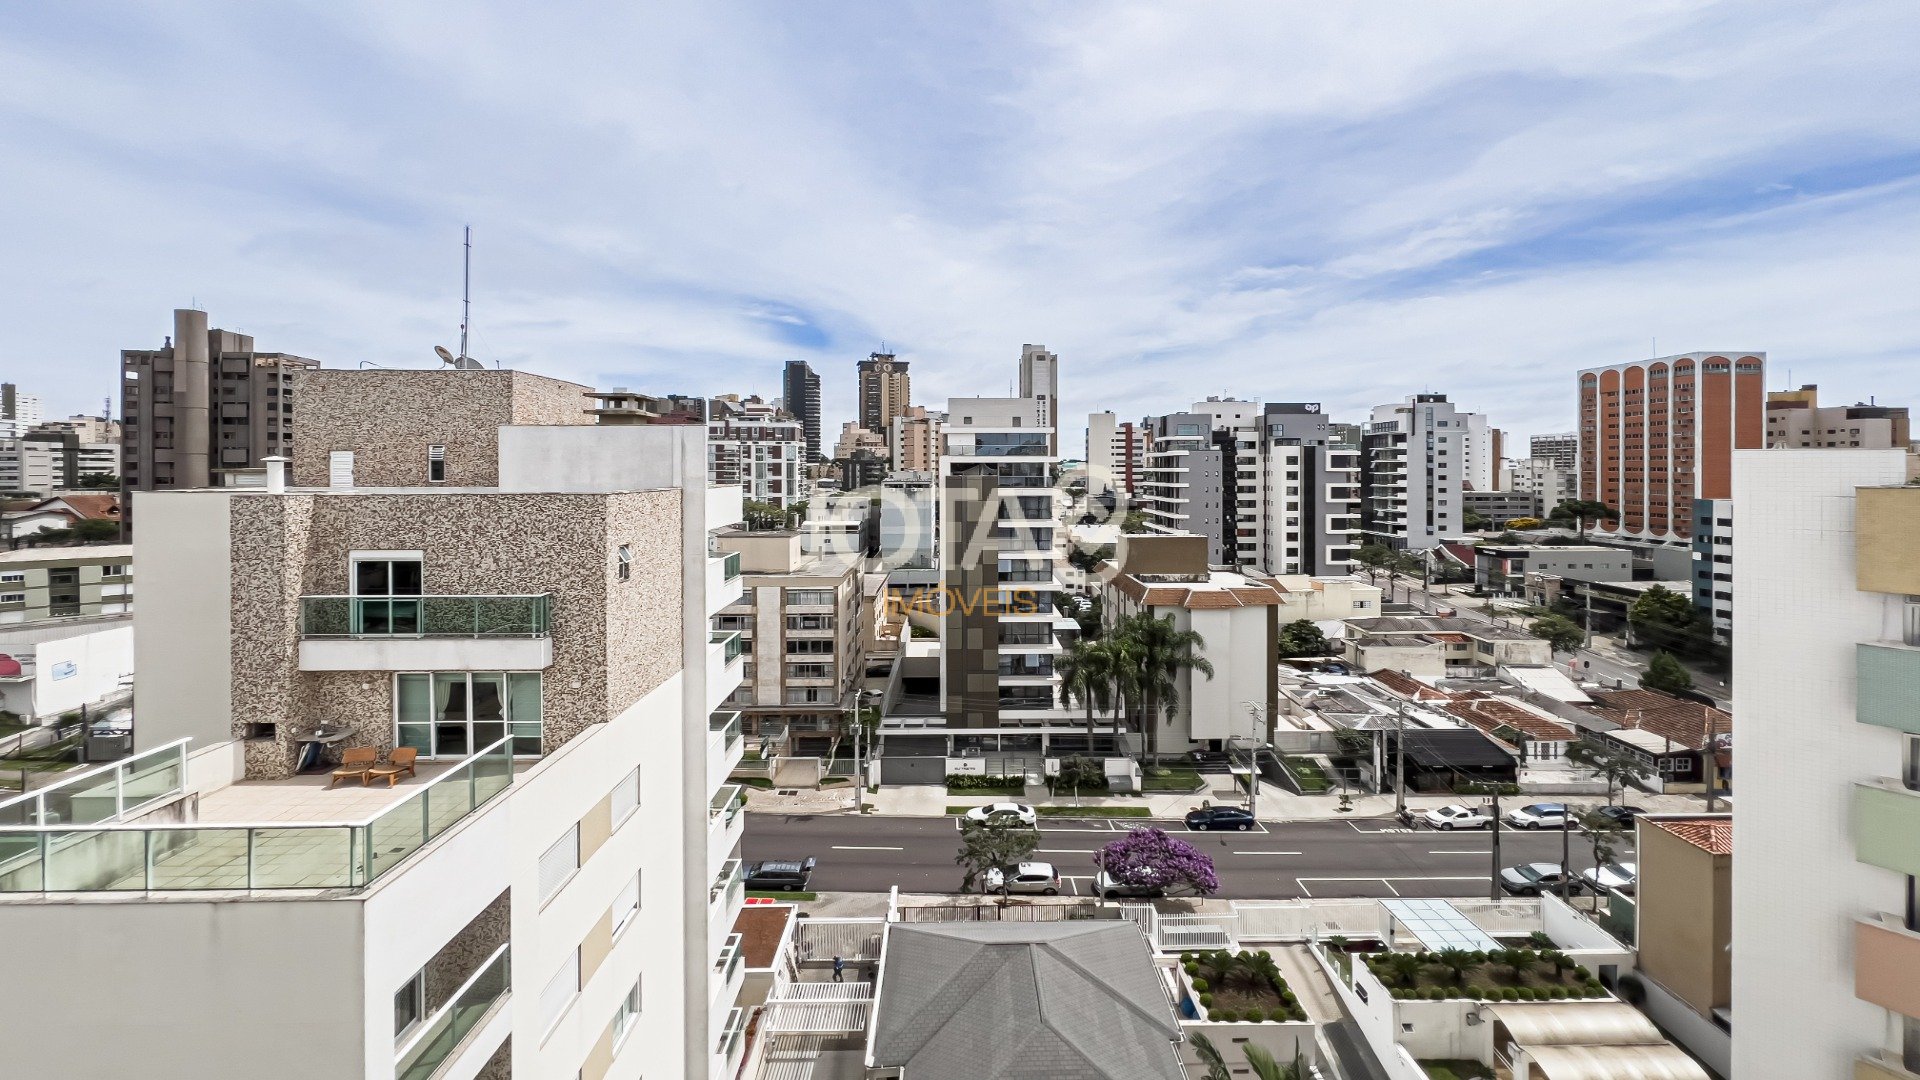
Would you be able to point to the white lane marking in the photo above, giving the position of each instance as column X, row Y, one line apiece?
column 848, row 847
column 1462, row 851
column 1063, row 851
column 1268, row 853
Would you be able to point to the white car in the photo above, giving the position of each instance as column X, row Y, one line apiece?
column 1028, row 877
column 1540, row 815
column 1446, row 818
column 1612, row 877
column 1007, row 812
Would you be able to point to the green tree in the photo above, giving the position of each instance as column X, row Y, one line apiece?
column 1303, row 637
column 1603, row 833
column 1582, row 511
column 1086, row 676
column 1666, row 674
column 1665, row 619
column 1135, row 521
column 1560, row 632
column 1164, row 651
column 1210, row 1057
column 1374, row 558
column 1457, row 962
column 97, row 482
column 1091, row 615
column 1609, row 762
column 1475, row 521
column 766, row 517
column 995, row 844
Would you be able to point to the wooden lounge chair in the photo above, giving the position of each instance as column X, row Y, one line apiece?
column 400, row 761
column 356, row 761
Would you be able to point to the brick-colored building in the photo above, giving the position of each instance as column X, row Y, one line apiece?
column 1657, row 434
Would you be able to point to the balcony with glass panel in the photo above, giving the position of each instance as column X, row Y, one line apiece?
column 250, row 836
column 412, row 633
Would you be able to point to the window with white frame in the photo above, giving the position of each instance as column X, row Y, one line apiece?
column 560, row 990
column 13, row 578
column 13, row 598
column 626, row 797
column 627, row 904
column 623, row 1017
column 624, row 561
column 436, row 464
column 559, row 861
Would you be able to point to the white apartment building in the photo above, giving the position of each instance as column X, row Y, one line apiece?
column 799, row 618
column 546, row 892
column 1040, row 384
column 1543, row 478
column 1826, row 659
column 1413, row 468
column 750, row 444
column 1116, row 452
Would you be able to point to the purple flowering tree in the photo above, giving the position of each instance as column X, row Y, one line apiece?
column 1147, row 857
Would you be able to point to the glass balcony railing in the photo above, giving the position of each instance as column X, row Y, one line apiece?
column 730, row 566
column 52, row 858
column 425, row 616
column 421, row 1056
column 727, row 726
column 733, row 642
column 725, row 803
column 728, row 881
column 103, row 794
column 732, row 1033
column 727, row 965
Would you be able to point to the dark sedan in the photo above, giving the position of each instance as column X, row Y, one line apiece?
column 1219, row 817
column 1621, row 815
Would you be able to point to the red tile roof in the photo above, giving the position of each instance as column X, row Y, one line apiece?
column 1490, row 713
column 1712, row 837
column 1675, row 719
column 1407, row 687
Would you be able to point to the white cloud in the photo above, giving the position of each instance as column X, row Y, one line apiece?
column 1341, row 203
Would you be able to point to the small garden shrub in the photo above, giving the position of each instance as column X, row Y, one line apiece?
column 1278, row 1016
column 1199, row 986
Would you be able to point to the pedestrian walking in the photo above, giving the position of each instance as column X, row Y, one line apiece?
column 839, row 970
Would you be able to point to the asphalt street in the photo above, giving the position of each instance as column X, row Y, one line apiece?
column 1371, row 857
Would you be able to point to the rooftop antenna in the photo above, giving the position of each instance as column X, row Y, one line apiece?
column 463, row 362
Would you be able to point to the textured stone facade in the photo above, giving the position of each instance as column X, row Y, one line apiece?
column 614, row 641
column 388, row 418
column 459, row 958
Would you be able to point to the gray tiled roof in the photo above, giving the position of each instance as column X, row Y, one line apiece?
column 1024, row 1001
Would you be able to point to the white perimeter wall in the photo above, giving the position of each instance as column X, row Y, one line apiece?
column 187, row 990
column 100, row 659
column 1241, row 652
column 182, row 627
column 1799, row 751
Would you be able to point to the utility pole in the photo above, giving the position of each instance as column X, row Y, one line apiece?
column 1400, row 759
column 1566, row 855
column 1494, row 883
column 1709, row 757
column 1586, row 623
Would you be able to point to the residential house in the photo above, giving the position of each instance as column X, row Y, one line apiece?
column 1669, row 735
column 40, row 583
column 1441, row 645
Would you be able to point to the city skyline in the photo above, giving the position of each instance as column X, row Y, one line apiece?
column 1290, row 225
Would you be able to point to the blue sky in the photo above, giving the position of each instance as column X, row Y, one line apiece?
column 1344, row 203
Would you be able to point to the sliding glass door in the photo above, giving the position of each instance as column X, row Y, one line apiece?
column 451, row 714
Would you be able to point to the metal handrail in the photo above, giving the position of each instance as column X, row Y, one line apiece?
column 122, row 769
column 409, row 1064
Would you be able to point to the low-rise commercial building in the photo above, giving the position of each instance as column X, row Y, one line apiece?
column 1503, row 568
column 1433, row 645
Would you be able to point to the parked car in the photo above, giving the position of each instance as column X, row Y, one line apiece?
column 1219, row 817
column 1540, row 815
column 1104, row 885
column 1534, row 878
column 779, row 875
column 1028, row 877
column 1617, row 877
column 1621, row 815
column 1012, row 813
column 1446, row 818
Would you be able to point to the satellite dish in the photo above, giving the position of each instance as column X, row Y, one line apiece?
column 445, row 355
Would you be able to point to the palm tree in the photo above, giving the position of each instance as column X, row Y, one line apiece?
column 1456, row 961
column 1210, row 1057
column 1123, row 670
column 1267, row 1068
column 1164, row 651
column 1086, row 676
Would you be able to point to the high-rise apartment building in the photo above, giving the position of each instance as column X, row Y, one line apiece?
column 998, row 567
column 1116, row 453
column 800, row 396
column 886, row 390
column 752, row 444
column 1657, row 434
column 1413, row 468
column 915, row 440
column 1826, row 661
column 1040, row 381
column 203, row 406
column 1560, row 448
column 1795, row 418
column 1543, row 478
column 19, row 412
column 1268, row 486
column 532, row 873
column 1307, row 508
